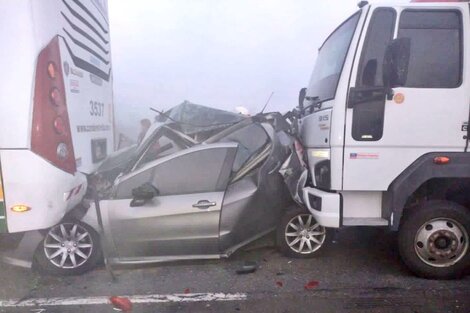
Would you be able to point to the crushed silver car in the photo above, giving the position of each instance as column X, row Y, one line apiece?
column 201, row 184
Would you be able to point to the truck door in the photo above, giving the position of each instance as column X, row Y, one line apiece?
column 384, row 136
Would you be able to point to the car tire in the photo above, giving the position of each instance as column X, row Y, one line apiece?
column 315, row 238
column 68, row 248
column 433, row 240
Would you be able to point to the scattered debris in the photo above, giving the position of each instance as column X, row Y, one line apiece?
column 311, row 284
column 247, row 268
column 121, row 303
column 289, row 262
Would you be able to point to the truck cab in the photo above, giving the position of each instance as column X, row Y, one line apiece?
column 384, row 127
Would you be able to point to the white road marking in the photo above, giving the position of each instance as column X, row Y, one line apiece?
column 189, row 297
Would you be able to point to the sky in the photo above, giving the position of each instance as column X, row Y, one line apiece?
column 219, row 53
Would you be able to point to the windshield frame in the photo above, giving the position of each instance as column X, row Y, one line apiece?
column 312, row 97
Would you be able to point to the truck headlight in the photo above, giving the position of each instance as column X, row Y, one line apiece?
column 323, row 175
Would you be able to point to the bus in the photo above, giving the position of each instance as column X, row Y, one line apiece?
column 56, row 107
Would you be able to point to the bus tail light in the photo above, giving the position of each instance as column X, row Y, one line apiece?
column 51, row 136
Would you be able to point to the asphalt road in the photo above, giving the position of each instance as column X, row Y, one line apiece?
column 360, row 272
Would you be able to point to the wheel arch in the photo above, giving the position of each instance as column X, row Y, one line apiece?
column 420, row 172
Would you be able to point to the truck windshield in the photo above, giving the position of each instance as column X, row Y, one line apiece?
column 330, row 60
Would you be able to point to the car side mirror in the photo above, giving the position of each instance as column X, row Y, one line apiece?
column 395, row 65
column 143, row 194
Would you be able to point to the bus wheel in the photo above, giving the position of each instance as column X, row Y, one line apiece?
column 434, row 240
column 300, row 236
column 69, row 248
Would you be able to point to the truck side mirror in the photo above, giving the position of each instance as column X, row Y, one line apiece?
column 395, row 65
column 143, row 194
column 302, row 94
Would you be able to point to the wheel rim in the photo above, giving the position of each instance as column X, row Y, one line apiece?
column 441, row 242
column 304, row 235
column 68, row 245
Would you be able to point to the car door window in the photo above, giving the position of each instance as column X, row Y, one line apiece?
column 250, row 139
column 160, row 147
column 196, row 170
column 164, row 142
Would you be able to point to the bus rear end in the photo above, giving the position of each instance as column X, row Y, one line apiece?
column 56, row 103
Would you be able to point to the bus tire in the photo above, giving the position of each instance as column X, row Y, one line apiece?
column 68, row 248
column 433, row 240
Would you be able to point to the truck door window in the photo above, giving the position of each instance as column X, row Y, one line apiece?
column 368, row 117
column 436, row 49
column 378, row 37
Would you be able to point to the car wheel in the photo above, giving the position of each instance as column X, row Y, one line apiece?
column 300, row 236
column 68, row 248
column 433, row 240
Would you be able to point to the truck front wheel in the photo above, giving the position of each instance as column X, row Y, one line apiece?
column 433, row 240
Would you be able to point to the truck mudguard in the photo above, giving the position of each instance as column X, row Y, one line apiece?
column 420, row 171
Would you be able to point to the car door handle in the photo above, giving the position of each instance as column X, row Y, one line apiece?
column 204, row 204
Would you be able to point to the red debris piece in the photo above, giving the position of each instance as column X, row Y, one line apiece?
column 121, row 303
column 279, row 283
column 311, row 284
column 187, row 290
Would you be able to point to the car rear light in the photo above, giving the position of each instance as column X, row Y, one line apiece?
column 51, row 137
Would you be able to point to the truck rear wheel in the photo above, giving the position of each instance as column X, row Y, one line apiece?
column 434, row 240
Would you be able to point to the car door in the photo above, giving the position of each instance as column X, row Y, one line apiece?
column 183, row 220
column 257, row 193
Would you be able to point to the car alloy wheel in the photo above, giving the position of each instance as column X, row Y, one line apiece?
column 68, row 245
column 304, row 235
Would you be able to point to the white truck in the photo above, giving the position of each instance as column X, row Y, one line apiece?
column 57, row 108
column 384, row 125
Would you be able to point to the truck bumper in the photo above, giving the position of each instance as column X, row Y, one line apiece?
column 324, row 206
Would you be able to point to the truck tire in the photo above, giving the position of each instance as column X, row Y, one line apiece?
column 300, row 236
column 433, row 240
column 69, row 248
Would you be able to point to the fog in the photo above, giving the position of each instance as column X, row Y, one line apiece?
column 217, row 53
